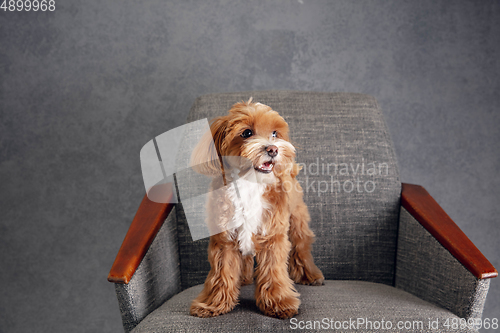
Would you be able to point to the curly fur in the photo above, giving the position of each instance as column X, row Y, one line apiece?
column 271, row 217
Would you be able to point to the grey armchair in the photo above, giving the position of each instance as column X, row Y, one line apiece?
column 390, row 255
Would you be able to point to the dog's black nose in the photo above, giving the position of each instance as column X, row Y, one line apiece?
column 272, row 150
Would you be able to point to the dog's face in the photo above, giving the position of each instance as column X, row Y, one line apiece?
column 253, row 131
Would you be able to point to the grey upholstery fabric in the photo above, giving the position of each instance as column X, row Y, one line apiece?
column 355, row 226
column 356, row 235
column 337, row 301
column 156, row 279
column 426, row 269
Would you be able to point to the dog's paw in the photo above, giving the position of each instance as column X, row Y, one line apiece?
column 317, row 280
column 281, row 313
column 284, row 309
column 314, row 277
column 204, row 310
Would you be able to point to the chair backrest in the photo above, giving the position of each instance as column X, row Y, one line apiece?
column 350, row 180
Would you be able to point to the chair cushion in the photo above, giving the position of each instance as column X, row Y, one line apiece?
column 336, row 304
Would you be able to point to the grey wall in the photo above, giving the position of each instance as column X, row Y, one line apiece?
column 85, row 87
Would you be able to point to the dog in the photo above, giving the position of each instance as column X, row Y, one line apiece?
column 275, row 228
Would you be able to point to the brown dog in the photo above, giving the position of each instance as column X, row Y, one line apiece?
column 272, row 218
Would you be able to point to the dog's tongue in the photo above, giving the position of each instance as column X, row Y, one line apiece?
column 266, row 167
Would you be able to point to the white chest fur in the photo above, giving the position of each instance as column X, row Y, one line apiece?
column 249, row 206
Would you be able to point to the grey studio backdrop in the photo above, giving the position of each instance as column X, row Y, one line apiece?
column 83, row 88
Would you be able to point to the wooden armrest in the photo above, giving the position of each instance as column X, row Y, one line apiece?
column 419, row 203
column 146, row 224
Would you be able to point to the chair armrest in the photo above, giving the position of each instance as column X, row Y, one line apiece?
column 143, row 230
column 435, row 260
column 419, row 203
column 146, row 271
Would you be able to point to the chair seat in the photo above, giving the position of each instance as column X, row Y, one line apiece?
column 335, row 306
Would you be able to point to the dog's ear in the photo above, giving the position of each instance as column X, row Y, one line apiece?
column 205, row 158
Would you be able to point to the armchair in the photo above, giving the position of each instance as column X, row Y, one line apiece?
column 389, row 253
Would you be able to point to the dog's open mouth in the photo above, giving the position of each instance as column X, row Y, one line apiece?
column 266, row 167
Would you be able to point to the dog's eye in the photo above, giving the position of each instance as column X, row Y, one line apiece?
column 275, row 134
column 246, row 133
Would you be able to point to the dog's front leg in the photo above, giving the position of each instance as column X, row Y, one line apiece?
column 222, row 286
column 275, row 294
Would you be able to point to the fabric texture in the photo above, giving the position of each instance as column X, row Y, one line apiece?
column 335, row 303
column 156, row 280
column 352, row 189
column 350, row 180
column 426, row 269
